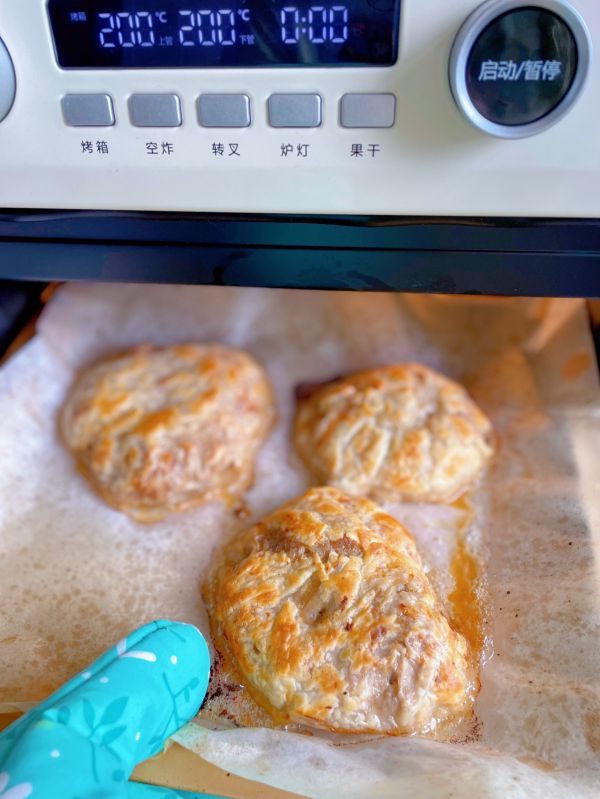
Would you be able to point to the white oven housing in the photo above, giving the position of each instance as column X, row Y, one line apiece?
column 432, row 162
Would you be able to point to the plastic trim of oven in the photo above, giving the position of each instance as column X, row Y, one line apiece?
column 529, row 257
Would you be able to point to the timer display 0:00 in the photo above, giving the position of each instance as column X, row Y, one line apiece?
column 207, row 28
column 323, row 24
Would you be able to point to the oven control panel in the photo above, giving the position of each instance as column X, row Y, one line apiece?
column 399, row 107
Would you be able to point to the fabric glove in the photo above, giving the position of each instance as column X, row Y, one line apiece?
column 85, row 740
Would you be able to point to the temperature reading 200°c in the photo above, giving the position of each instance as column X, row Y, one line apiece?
column 194, row 27
column 207, row 28
column 123, row 29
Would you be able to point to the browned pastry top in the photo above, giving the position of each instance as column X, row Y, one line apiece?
column 162, row 429
column 326, row 612
column 395, row 433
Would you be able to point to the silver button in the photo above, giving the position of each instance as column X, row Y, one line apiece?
column 155, row 110
column 224, row 110
column 8, row 82
column 367, row 110
column 295, row 110
column 88, row 110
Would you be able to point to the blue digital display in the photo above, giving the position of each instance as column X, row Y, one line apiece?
column 224, row 33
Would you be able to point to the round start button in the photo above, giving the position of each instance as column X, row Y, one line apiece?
column 516, row 68
column 8, row 83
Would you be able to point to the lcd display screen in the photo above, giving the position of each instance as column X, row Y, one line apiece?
column 162, row 34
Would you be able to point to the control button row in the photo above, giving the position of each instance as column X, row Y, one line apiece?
column 230, row 110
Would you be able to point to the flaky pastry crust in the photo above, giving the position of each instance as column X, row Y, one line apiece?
column 325, row 611
column 396, row 433
column 163, row 429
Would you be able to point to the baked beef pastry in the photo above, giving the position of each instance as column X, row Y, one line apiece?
column 397, row 433
column 163, row 429
column 326, row 613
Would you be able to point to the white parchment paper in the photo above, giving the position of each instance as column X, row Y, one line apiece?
column 76, row 575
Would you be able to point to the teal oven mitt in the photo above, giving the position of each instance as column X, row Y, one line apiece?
column 85, row 740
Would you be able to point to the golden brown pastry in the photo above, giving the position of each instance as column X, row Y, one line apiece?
column 327, row 614
column 162, row 429
column 396, row 433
